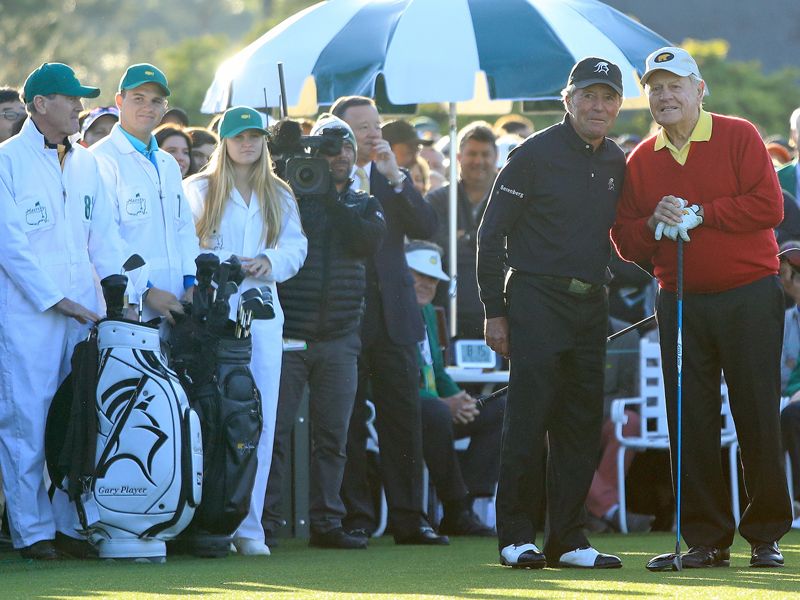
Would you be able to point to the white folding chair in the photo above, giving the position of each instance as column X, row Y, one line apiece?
column 654, row 434
column 372, row 446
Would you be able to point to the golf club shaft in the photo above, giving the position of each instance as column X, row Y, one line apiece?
column 679, row 399
column 630, row 328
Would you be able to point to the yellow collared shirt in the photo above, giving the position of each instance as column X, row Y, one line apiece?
column 700, row 133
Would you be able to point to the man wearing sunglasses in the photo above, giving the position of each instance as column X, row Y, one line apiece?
column 11, row 111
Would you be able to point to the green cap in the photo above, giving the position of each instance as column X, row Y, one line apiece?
column 142, row 73
column 239, row 119
column 56, row 78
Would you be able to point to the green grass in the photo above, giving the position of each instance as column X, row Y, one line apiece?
column 468, row 569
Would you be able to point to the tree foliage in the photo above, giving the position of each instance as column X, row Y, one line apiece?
column 743, row 89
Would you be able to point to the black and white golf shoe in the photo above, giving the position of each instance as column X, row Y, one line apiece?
column 522, row 556
column 589, row 558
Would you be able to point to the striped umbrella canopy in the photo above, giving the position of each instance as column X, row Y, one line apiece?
column 431, row 51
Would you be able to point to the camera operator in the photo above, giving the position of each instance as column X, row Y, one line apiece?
column 323, row 307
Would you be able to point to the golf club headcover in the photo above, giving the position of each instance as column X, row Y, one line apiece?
column 114, row 287
column 148, row 478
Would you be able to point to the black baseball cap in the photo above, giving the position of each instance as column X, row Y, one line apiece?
column 592, row 70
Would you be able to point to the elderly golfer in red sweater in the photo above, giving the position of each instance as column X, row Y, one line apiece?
column 708, row 179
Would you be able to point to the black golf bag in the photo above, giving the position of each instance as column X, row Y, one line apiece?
column 146, row 440
column 211, row 354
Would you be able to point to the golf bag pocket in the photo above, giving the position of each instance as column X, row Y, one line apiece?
column 230, row 409
column 148, row 477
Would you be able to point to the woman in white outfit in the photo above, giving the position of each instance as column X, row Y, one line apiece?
column 241, row 207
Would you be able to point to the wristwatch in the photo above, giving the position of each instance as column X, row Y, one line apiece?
column 399, row 182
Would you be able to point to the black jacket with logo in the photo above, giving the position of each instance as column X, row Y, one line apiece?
column 325, row 300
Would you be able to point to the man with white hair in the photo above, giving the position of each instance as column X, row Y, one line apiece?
column 710, row 174
column 789, row 174
column 323, row 308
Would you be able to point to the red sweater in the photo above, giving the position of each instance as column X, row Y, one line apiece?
column 733, row 179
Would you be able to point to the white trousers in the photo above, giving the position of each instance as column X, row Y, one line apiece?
column 35, row 353
column 266, row 368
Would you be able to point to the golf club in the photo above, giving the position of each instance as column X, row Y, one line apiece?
column 677, row 563
column 674, row 561
column 247, row 296
column 134, row 262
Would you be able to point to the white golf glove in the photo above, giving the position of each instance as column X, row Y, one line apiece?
column 691, row 219
column 670, row 231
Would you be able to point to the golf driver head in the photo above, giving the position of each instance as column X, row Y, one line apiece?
column 135, row 261
column 662, row 563
column 113, row 288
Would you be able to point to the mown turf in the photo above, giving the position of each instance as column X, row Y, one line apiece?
column 467, row 569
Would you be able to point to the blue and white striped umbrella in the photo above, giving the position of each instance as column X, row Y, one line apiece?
column 432, row 51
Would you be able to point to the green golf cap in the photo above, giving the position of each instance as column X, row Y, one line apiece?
column 142, row 73
column 56, row 78
column 239, row 119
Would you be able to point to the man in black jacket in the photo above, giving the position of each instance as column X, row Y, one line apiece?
column 390, row 332
column 323, row 305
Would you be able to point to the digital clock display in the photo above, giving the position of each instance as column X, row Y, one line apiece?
column 474, row 354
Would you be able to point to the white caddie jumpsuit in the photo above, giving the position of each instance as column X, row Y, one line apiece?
column 240, row 234
column 151, row 211
column 54, row 225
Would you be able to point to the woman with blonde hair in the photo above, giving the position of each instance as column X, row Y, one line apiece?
column 241, row 207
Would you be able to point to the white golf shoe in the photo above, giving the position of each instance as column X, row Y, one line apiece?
column 250, row 547
column 589, row 558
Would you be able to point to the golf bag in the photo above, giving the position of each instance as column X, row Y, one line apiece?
column 211, row 354
column 147, row 476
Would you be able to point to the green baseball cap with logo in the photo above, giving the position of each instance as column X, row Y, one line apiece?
column 56, row 78
column 239, row 119
column 142, row 73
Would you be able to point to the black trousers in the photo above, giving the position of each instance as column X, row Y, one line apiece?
column 390, row 372
column 554, row 408
column 739, row 333
column 475, row 472
column 328, row 367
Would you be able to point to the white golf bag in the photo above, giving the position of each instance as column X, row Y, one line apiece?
column 149, row 470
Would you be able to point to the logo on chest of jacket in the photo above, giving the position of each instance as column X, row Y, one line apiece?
column 512, row 192
column 611, row 185
column 36, row 215
column 136, row 205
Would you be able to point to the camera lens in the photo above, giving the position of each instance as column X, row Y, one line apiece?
column 306, row 175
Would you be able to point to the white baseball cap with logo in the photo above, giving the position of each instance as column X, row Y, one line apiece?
column 674, row 60
column 426, row 261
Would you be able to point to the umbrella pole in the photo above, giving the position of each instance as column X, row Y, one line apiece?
column 453, row 219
